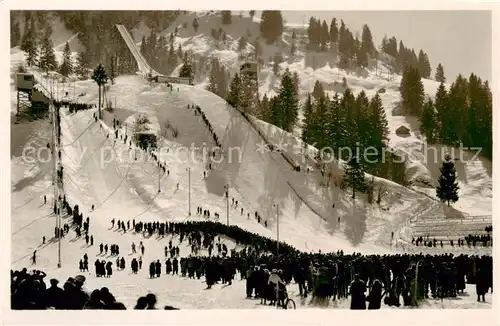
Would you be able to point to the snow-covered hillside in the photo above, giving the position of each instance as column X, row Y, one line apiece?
column 423, row 161
column 106, row 173
column 128, row 186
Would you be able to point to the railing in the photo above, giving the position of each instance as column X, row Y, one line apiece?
column 465, row 218
column 141, row 61
column 450, row 222
column 450, row 228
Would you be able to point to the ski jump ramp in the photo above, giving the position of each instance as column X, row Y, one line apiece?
column 144, row 68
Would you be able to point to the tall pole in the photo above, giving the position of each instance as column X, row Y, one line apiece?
column 54, row 158
column 277, row 247
column 56, row 185
column 277, row 229
column 227, row 204
column 58, row 204
column 159, row 174
column 159, row 167
column 189, row 189
column 59, row 238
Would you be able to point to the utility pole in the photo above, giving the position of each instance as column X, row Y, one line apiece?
column 59, row 238
column 54, row 158
column 159, row 167
column 277, row 246
column 56, row 184
column 159, row 175
column 227, row 203
column 59, row 206
column 189, row 190
column 277, row 229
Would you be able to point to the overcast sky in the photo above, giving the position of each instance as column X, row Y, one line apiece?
column 460, row 40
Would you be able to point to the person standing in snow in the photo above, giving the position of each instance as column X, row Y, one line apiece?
column 109, row 269
column 375, row 296
column 134, row 266
column 275, row 281
column 357, row 291
column 97, row 270
column 158, row 268
column 142, row 248
column 152, row 269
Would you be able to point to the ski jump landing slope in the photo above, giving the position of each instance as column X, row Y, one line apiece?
column 254, row 174
column 267, row 184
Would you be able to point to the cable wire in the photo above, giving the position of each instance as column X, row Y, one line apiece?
column 37, row 219
column 81, row 134
column 112, row 193
column 29, row 200
column 147, row 209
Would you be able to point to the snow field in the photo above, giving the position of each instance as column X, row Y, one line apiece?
column 123, row 186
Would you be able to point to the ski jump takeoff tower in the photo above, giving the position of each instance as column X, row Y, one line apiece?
column 25, row 83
